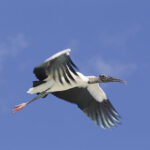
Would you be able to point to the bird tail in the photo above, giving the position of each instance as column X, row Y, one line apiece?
column 31, row 91
column 37, row 83
column 40, row 86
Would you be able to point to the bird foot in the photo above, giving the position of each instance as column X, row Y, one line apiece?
column 19, row 107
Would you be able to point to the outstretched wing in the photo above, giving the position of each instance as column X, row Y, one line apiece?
column 92, row 101
column 59, row 65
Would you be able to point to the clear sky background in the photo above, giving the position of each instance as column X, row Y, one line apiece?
column 106, row 36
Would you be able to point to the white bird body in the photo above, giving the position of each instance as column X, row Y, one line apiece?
column 57, row 76
column 81, row 81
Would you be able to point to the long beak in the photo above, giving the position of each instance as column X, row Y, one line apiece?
column 112, row 79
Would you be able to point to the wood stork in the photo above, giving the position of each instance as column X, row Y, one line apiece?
column 57, row 76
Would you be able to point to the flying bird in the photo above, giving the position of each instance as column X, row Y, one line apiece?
column 58, row 75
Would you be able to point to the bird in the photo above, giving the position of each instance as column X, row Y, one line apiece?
column 58, row 75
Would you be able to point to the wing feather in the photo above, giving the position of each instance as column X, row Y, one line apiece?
column 58, row 66
column 99, row 109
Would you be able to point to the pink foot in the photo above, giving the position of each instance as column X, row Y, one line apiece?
column 19, row 107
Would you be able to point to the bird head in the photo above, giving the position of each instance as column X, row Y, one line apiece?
column 105, row 78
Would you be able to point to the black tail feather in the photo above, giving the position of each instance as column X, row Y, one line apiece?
column 37, row 83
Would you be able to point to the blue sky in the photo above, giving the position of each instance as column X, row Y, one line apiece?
column 106, row 36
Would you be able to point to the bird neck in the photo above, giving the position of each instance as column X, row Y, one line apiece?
column 93, row 80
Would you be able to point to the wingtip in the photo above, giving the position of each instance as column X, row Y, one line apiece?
column 65, row 51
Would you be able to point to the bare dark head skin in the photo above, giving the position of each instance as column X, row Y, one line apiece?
column 105, row 78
